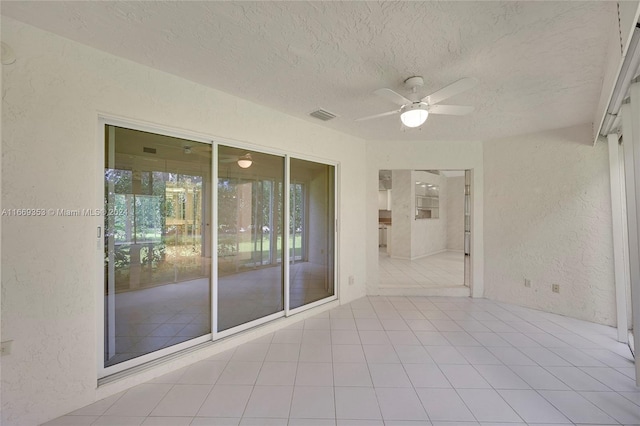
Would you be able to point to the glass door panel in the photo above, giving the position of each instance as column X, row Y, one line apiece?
column 250, row 230
column 157, row 261
column 312, row 232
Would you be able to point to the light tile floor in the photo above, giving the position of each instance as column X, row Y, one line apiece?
column 397, row 361
column 445, row 269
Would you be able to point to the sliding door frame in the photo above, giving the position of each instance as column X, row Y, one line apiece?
column 111, row 120
column 128, row 123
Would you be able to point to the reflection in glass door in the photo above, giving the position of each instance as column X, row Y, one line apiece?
column 250, row 235
column 311, row 232
column 157, row 257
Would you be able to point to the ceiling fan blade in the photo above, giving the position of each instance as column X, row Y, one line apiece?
column 392, row 96
column 450, row 90
column 384, row 114
column 450, row 109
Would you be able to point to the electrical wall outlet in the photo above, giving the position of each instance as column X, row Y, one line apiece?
column 555, row 288
column 352, row 280
column 527, row 282
column 5, row 347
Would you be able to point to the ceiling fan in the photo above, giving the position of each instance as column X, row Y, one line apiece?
column 244, row 161
column 413, row 112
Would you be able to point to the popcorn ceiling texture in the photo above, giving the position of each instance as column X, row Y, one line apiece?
column 548, row 218
column 540, row 65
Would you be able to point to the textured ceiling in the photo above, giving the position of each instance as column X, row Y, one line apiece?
column 539, row 64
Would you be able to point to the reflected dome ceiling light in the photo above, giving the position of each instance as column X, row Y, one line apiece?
column 245, row 161
column 414, row 115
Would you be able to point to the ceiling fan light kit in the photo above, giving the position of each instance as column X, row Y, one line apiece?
column 245, row 161
column 414, row 112
column 414, row 115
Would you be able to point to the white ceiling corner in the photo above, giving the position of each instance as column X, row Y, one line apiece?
column 540, row 65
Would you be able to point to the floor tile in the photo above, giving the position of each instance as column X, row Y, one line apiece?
column 347, row 353
column 226, row 401
column 202, row 373
column 311, row 422
column 73, row 420
column 215, row 421
column 432, row 338
column 313, row 402
column 240, row 373
column 315, row 353
column 287, row 336
column 316, row 337
column 250, row 352
column 349, row 374
column 269, row 401
column 277, row 373
column 612, row 378
column 464, row 377
column 511, row 356
column 576, row 408
column 167, row 421
column 368, row 324
column 119, row 421
column 98, row 408
column 446, row 355
column 400, row 404
column 577, row 357
column 374, row 337
column 139, row 401
column 249, row 421
column 380, row 354
column 182, row 400
column 315, row 374
column 546, row 358
column 532, row 408
column 389, row 375
column 490, row 339
column 426, row 376
column 411, row 354
column 488, row 406
column 539, row 378
column 357, row 404
column 345, row 337
column 501, row 377
column 615, row 405
column 479, row 356
column 283, row 352
column 577, row 379
column 444, row 405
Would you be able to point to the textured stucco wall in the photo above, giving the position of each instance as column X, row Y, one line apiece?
column 455, row 213
column 401, row 214
column 548, row 218
column 51, row 278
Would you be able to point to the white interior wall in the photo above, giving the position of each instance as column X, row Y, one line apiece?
column 429, row 236
column 401, row 214
column 52, row 96
column 420, row 155
column 455, row 212
column 548, row 219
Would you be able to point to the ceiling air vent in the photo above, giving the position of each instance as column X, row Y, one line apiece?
column 322, row 115
column 149, row 150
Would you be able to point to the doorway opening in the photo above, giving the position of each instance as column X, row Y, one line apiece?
column 424, row 232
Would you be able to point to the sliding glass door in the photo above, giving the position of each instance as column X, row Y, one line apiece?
column 157, row 256
column 172, row 205
column 311, row 232
column 250, row 234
